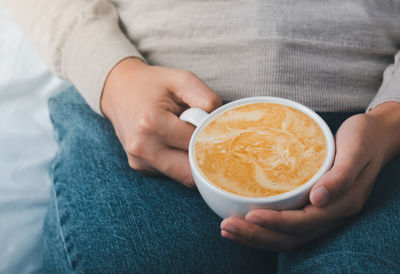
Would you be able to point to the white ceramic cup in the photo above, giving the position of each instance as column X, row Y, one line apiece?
column 225, row 203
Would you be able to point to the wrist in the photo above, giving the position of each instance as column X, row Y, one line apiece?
column 387, row 117
column 115, row 80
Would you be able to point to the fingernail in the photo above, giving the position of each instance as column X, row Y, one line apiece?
column 320, row 196
column 229, row 228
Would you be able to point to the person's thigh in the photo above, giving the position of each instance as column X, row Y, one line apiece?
column 106, row 218
column 369, row 244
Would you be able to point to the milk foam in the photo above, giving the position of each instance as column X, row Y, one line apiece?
column 260, row 149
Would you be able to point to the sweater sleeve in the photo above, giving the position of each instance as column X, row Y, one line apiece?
column 81, row 40
column 390, row 88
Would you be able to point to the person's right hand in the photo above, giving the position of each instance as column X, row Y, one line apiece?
column 143, row 103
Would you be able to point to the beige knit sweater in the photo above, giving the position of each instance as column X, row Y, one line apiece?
column 329, row 55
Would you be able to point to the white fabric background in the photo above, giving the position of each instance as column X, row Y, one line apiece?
column 26, row 148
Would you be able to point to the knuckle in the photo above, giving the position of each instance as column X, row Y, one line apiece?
column 188, row 75
column 212, row 101
column 187, row 179
column 135, row 165
column 167, row 168
column 344, row 177
column 251, row 236
column 135, row 147
column 145, row 124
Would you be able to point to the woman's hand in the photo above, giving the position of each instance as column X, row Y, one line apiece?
column 143, row 103
column 364, row 144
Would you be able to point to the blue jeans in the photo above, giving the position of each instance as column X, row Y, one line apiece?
column 106, row 218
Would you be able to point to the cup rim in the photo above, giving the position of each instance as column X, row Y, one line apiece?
column 274, row 198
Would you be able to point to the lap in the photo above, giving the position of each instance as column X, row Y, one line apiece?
column 105, row 217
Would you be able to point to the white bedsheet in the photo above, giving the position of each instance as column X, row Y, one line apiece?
column 26, row 148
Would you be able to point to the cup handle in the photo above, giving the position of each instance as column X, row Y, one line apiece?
column 195, row 116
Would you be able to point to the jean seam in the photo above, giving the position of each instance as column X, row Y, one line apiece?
column 60, row 230
column 349, row 252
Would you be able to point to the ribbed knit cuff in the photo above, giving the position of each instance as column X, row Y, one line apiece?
column 390, row 88
column 90, row 53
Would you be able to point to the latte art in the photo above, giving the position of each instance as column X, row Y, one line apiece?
column 260, row 149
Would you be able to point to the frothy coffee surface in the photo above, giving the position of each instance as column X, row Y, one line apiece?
column 260, row 149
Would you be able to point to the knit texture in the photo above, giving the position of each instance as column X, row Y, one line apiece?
column 329, row 55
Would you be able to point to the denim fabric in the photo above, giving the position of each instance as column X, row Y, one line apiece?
column 370, row 244
column 106, row 218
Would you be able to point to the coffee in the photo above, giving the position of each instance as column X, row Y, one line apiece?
column 260, row 149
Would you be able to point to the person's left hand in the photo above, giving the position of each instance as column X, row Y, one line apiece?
column 364, row 144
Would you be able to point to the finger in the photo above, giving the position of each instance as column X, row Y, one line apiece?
column 141, row 166
column 175, row 164
column 176, row 133
column 192, row 91
column 284, row 221
column 290, row 221
column 299, row 224
column 242, row 241
column 253, row 235
column 308, row 219
column 333, row 184
column 349, row 162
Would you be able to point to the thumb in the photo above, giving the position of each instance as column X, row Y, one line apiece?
column 331, row 185
column 349, row 162
column 192, row 91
